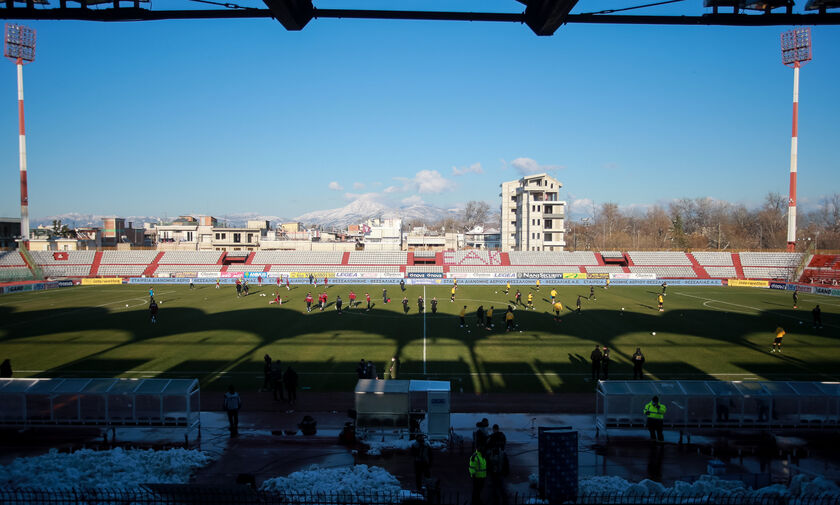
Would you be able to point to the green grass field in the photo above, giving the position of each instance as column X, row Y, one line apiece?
column 207, row 333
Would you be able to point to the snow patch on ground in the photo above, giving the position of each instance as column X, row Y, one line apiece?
column 800, row 486
column 351, row 484
column 113, row 468
column 401, row 444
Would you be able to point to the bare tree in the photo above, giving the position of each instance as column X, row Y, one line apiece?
column 475, row 213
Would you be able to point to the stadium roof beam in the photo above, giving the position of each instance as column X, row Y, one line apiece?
column 546, row 16
column 292, row 14
column 142, row 14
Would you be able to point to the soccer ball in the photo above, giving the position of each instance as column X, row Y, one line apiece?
column 653, row 333
column 622, row 308
column 126, row 305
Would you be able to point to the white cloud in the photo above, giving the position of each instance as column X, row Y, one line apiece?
column 362, row 196
column 391, row 189
column 335, row 186
column 358, row 185
column 424, row 181
column 413, row 200
column 529, row 166
column 475, row 168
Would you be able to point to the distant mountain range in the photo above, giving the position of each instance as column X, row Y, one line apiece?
column 358, row 211
column 355, row 212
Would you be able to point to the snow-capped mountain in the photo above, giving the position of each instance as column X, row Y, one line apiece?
column 362, row 209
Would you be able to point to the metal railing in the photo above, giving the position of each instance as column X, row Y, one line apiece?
column 194, row 494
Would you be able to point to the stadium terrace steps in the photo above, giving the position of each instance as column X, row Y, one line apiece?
column 97, row 260
column 739, row 269
column 699, row 271
column 250, row 258
column 345, row 258
column 150, row 270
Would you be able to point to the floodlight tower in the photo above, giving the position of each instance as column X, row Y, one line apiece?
column 796, row 50
column 20, row 47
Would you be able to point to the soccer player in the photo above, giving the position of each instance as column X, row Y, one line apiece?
column 509, row 318
column 322, row 300
column 402, row 284
column 338, row 303
column 245, row 288
column 217, row 283
column 660, row 301
column 507, row 287
column 151, row 295
column 518, row 297
column 538, row 284
column 311, row 279
column 238, row 288
column 288, row 288
column 577, row 304
column 488, row 316
column 454, row 283
column 553, row 295
column 530, row 300
column 384, row 296
column 479, row 315
column 352, row 297
column 278, row 282
column 277, row 299
column 153, row 310
column 191, row 283
column 817, row 315
column 259, row 280
column 664, row 286
column 558, row 308
column 405, row 304
column 308, row 300
column 452, row 294
column 420, row 304
column 591, row 292
column 434, row 305
column 463, row 315
column 325, row 283
column 795, row 299
column 607, row 283
column 777, row 342
column 367, row 299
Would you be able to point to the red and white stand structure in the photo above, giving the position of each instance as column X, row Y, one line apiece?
column 19, row 46
column 796, row 50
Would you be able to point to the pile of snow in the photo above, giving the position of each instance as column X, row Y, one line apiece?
column 352, row 484
column 113, row 468
column 375, row 447
column 708, row 485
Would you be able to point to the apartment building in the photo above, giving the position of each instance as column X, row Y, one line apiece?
column 533, row 217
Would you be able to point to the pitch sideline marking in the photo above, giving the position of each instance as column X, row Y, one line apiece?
column 748, row 307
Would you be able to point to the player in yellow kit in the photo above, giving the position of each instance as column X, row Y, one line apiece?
column 660, row 301
column 530, row 300
column 558, row 308
column 777, row 342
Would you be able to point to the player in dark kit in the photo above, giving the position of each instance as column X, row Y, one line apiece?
column 338, row 303
column 153, row 311
column 591, row 292
column 245, row 288
column 405, row 304
column 664, row 286
column 238, row 288
column 817, row 315
column 518, row 297
column 420, row 304
column 795, row 299
column 577, row 304
column 434, row 305
column 384, row 296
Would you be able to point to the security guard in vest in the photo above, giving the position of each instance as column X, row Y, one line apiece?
column 478, row 474
column 655, row 413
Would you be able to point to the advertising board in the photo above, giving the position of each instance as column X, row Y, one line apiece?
column 748, row 283
column 778, row 285
column 102, row 281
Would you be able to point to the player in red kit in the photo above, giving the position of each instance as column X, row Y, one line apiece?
column 352, row 298
column 308, row 300
column 367, row 299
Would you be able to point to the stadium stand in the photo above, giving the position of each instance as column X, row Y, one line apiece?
column 128, row 257
column 823, row 269
column 768, row 265
column 9, row 274
column 430, row 269
column 175, row 269
column 552, row 258
column 721, row 259
column 665, row 272
column 297, row 258
column 378, row 258
column 781, row 273
column 612, row 255
column 425, row 254
column 190, row 258
column 330, row 268
column 549, row 269
column 472, row 257
column 659, row 258
column 722, row 272
column 11, row 258
column 123, row 270
column 608, row 269
column 73, row 257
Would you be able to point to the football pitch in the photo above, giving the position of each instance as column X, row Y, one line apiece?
column 719, row 333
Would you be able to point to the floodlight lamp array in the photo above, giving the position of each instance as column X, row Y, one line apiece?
column 19, row 43
column 796, row 46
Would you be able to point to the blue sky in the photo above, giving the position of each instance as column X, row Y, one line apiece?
column 224, row 116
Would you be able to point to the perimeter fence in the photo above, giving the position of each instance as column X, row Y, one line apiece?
column 158, row 494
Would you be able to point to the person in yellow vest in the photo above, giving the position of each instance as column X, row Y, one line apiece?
column 478, row 474
column 777, row 342
column 538, row 284
column 660, row 301
column 509, row 319
column 553, row 295
column 655, row 414
column 488, row 318
column 558, row 308
column 607, row 284
column 507, row 287
column 530, row 300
